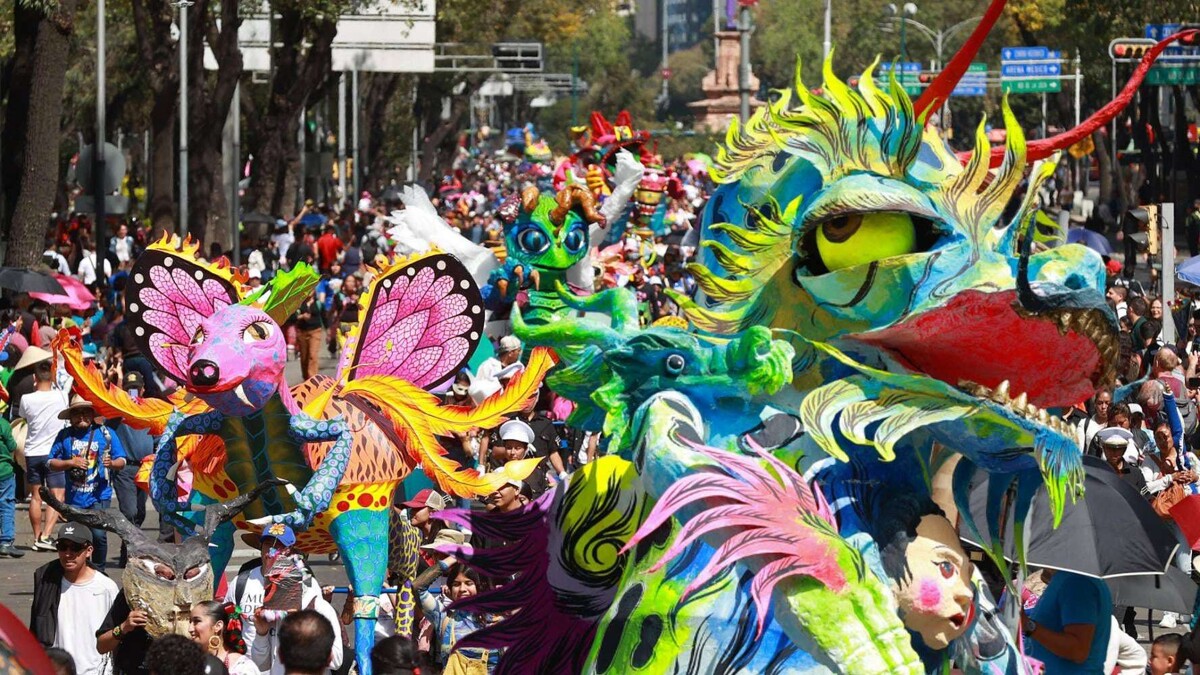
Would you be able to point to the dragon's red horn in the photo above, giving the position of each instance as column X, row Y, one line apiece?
column 938, row 90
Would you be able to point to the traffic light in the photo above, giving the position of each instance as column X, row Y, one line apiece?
column 854, row 81
column 925, row 78
column 1191, row 39
column 518, row 56
column 1129, row 48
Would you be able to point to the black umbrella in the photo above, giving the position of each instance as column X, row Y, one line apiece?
column 1111, row 531
column 1171, row 592
column 29, row 281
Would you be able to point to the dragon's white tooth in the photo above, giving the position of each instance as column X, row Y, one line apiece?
column 1043, row 416
column 1000, row 393
column 1020, row 401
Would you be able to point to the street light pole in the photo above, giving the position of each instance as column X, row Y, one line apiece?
column 574, row 80
column 183, row 116
column 342, row 138
column 744, row 69
column 101, row 141
column 828, row 44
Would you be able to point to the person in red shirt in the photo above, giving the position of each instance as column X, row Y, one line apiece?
column 329, row 246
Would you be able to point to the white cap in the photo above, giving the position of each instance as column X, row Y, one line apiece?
column 1114, row 436
column 508, row 343
column 1135, row 409
column 481, row 388
column 516, row 430
column 255, row 274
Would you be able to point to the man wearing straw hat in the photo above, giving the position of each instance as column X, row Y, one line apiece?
column 89, row 454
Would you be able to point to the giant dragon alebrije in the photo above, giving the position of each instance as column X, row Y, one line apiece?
column 342, row 444
column 791, row 527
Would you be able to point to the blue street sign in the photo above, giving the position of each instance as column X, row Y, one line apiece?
column 969, row 91
column 905, row 67
column 1024, row 53
column 1158, row 31
column 1030, row 70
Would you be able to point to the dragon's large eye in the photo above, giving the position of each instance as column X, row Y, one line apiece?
column 198, row 337
column 533, row 241
column 575, row 239
column 675, row 364
column 861, row 238
column 256, row 332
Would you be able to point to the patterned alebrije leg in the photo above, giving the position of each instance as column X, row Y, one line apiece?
column 162, row 489
column 406, row 609
column 361, row 535
column 316, row 496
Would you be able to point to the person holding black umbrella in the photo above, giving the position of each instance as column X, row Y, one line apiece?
column 1070, row 626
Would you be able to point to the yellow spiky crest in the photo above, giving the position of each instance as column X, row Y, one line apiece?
column 839, row 130
column 186, row 249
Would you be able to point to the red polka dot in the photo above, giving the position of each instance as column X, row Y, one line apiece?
column 379, row 502
column 364, row 500
column 220, row 490
column 229, row 485
column 343, row 507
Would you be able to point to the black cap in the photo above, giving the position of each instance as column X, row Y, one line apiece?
column 76, row 533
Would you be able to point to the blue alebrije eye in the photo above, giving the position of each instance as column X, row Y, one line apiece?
column 533, row 241
column 574, row 240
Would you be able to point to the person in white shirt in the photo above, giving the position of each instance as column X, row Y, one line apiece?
column 283, row 237
column 85, row 600
column 40, row 409
column 1125, row 656
column 507, row 354
column 262, row 633
column 55, row 260
column 87, row 271
column 121, row 245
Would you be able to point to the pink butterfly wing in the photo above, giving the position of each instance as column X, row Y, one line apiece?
column 167, row 296
column 422, row 323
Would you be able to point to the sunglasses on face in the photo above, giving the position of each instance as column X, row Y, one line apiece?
column 68, row 547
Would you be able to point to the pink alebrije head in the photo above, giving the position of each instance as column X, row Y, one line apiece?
column 236, row 359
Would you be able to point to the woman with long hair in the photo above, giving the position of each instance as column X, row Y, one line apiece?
column 217, row 627
column 451, row 625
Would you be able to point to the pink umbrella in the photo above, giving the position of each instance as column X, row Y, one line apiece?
column 77, row 295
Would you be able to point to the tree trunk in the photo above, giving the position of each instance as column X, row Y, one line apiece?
column 18, row 78
column 376, row 102
column 213, row 94
column 39, row 173
column 162, row 161
column 1104, row 167
column 159, row 55
column 297, row 74
column 433, row 159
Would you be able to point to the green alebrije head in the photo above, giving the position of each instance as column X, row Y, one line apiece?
column 533, row 239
